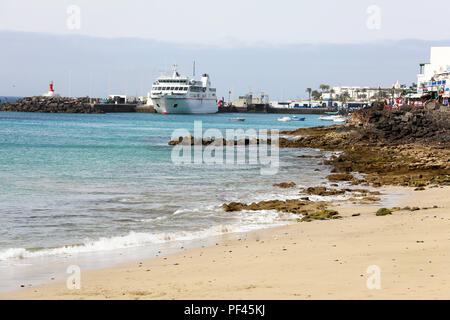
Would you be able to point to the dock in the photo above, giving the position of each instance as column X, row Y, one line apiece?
column 266, row 108
column 124, row 108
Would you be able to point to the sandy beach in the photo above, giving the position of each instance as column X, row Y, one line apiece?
column 247, row 161
column 309, row 260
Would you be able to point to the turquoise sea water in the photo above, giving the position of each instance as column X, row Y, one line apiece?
column 74, row 184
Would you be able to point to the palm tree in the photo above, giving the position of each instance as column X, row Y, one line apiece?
column 364, row 96
column 344, row 98
column 331, row 93
column 357, row 93
column 316, row 94
column 309, row 91
column 324, row 87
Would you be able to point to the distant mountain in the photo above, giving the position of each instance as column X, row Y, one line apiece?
column 30, row 60
column 5, row 99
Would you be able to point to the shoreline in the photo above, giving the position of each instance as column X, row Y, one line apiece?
column 296, row 261
column 317, row 260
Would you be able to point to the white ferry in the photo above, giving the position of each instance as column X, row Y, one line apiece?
column 178, row 94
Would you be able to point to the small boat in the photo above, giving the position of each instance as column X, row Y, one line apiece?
column 340, row 119
column 327, row 118
column 284, row 119
column 295, row 118
column 237, row 119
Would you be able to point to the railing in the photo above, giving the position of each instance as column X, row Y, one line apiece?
column 391, row 107
column 412, row 104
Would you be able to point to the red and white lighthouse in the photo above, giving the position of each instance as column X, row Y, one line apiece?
column 51, row 91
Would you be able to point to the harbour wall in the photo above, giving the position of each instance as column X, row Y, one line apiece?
column 266, row 108
column 124, row 108
column 58, row 104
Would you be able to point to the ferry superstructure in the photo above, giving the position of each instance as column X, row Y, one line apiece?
column 179, row 94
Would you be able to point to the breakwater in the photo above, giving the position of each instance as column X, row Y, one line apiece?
column 69, row 105
column 51, row 105
column 266, row 108
column 125, row 108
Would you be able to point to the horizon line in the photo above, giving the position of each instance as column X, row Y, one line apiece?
column 232, row 44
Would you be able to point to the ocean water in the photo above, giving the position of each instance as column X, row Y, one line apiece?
column 85, row 187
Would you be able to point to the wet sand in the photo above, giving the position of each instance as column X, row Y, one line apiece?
column 309, row 260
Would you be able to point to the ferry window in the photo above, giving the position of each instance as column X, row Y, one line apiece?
column 172, row 88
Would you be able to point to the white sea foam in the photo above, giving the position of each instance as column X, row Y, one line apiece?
column 245, row 221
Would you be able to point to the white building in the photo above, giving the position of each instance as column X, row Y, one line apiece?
column 434, row 76
column 301, row 104
column 355, row 93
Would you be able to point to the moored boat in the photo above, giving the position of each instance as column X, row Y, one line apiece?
column 340, row 119
column 327, row 118
column 284, row 119
column 178, row 94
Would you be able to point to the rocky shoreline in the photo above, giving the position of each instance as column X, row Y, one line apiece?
column 407, row 147
column 51, row 105
column 404, row 148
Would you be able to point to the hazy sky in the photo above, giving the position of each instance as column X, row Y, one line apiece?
column 234, row 22
column 30, row 60
column 278, row 47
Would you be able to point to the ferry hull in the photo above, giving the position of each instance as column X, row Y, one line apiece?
column 168, row 105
